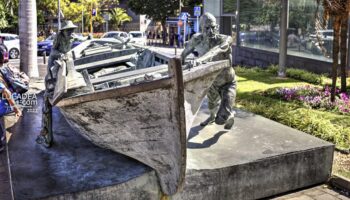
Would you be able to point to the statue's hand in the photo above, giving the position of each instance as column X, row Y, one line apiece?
column 194, row 63
column 64, row 56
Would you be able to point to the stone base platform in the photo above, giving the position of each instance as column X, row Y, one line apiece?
column 257, row 158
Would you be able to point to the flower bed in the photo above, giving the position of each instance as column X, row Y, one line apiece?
column 313, row 97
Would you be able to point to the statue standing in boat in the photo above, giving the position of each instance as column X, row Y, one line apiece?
column 212, row 46
column 61, row 46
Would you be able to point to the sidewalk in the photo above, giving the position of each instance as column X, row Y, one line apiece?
column 322, row 192
column 5, row 187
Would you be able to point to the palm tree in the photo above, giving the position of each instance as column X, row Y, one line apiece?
column 338, row 11
column 119, row 17
column 28, row 37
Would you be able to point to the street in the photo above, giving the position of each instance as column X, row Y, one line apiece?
column 15, row 62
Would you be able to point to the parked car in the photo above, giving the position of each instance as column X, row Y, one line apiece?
column 323, row 34
column 11, row 41
column 138, row 37
column 46, row 45
column 115, row 34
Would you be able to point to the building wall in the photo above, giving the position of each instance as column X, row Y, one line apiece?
column 213, row 7
column 255, row 57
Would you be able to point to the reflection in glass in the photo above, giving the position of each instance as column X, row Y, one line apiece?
column 259, row 25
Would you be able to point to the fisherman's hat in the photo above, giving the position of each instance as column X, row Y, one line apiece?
column 68, row 25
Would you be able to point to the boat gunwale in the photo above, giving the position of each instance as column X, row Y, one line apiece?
column 191, row 74
column 116, row 92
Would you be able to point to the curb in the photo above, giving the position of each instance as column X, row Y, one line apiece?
column 340, row 182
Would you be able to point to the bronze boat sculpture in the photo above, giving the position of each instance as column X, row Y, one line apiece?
column 147, row 119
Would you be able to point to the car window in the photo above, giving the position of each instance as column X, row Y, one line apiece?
column 49, row 38
column 328, row 33
column 112, row 35
column 136, row 35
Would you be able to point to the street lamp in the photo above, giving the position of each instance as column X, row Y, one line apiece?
column 82, row 20
column 59, row 14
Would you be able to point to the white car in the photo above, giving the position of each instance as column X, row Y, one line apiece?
column 138, row 37
column 323, row 34
column 11, row 41
column 115, row 34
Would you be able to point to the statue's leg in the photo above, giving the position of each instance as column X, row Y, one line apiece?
column 225, row 114
column 46, row 133
column 213, row 104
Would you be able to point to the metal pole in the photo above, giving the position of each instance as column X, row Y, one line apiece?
column 59, row 14
column 180, row 6
column 44, row 57
column 348, row 57
column 238, row 28
column 184, row 39
column 107, row 26
column 197, row 24
column 91, row 31
column 82, row 21
column 283, row 39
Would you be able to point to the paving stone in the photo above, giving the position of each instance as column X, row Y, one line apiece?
column 331, row 192
column 326, row 197
column 3, row 176
column 342, row 197
column 3, row 169
column 314, row 192
column 302, row 197
column 5, row 196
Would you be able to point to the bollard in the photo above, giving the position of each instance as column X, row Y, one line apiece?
column 175, row 49
column 44, row 57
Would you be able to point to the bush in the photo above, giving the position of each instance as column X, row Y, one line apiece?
column 299, row 74
column 305, row 76
column 41, row 38
column 95, row 35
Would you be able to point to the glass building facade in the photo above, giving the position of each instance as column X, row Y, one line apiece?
column 259, row 27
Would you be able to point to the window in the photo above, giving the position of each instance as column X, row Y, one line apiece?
column 229, row 7
column 136, row 35
column 302, row 39
column 260, row 21
column 259, row 24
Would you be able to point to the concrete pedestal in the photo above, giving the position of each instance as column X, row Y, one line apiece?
column 257, row 158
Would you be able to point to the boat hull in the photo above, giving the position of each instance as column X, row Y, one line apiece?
column 148, row 122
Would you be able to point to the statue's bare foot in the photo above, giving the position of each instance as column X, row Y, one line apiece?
column 43, row 140
column 229, row 123
column 209, row 120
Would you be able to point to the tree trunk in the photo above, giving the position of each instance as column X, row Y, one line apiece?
column 28, row 37
column 336, row 28
column 343, row 51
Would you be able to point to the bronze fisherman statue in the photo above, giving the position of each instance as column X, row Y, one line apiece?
column 212, row 46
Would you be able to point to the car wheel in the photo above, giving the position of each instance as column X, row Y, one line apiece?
column 13, row 53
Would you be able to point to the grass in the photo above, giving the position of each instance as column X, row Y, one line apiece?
column 326, row 125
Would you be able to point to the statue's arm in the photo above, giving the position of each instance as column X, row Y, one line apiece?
column 223, row 47
column 190, row 47
column 187, row 51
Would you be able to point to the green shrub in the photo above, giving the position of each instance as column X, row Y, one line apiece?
column 299, row 74
column 306, row 76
